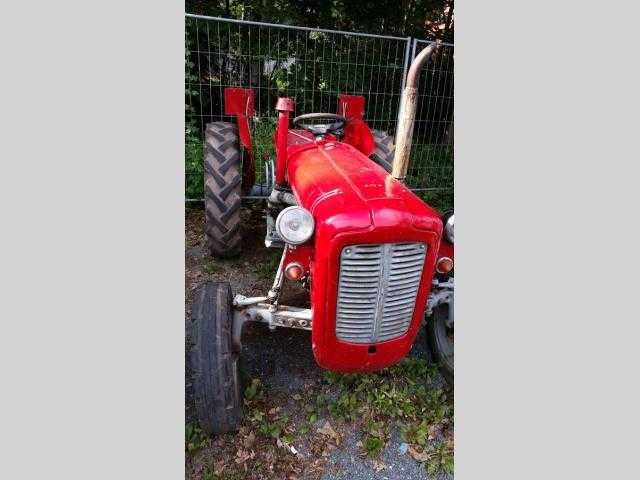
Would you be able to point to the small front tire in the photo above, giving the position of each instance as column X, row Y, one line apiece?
column 440, row 339
column 214, row 362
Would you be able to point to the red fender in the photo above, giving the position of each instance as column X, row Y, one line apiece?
column 356, row 132
column 239, row 102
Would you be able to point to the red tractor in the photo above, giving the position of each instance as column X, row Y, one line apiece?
column 373, row 256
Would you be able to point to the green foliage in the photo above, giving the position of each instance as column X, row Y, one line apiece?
column 267, row 268
column 373, row 445
column 430, row 166
column 212, row 267
column 403, row 394
column 254, row 391
column 276, row 429
column 375, row 438
column 440, row 200
column 416, row 433
column 194, row 166
column 419, row 18
column 440, row 458
column 234, row 474
column 346, row 407
column 194, row 438
column 398, row 392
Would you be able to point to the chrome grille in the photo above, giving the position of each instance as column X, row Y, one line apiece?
column 377, row 290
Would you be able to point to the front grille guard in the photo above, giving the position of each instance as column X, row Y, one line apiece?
column 377, row 290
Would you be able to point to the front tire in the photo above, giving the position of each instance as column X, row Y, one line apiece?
column 440, row 338
column 222, row 182
column 214, row 362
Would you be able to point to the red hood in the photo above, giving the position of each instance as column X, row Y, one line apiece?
column 344, row 190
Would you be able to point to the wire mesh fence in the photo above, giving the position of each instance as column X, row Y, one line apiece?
column 431, row 165
column 312, row 66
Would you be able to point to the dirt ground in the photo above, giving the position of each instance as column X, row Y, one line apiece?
column 295, row 425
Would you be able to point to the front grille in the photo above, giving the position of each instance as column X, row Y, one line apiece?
column 377, row 290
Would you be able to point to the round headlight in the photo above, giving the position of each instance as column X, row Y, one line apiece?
column 448, row 229
column 295, row 225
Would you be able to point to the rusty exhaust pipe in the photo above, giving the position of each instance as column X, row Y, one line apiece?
column 407, row 116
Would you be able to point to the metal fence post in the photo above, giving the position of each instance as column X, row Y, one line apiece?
column 406, row 64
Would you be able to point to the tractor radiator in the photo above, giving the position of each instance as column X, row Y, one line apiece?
column 377, row 290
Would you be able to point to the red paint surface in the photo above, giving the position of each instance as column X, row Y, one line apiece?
column 351, row 106
column 356, row 130
column 284, row 106
column 358, row 134
column 446, row 249
column 354, row 201
column 239, row 102
column 301, row 254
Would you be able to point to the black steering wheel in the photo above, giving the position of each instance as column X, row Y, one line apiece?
column 313, row 122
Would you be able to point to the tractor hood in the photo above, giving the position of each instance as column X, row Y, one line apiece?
column 355, row 202
column 345, row 191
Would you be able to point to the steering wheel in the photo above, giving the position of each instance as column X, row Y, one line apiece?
column 333, row 123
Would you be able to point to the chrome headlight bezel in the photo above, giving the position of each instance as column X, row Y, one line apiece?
column 448, row 228
column 307, row 221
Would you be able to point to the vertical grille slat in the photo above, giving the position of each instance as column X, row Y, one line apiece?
column 377, row 290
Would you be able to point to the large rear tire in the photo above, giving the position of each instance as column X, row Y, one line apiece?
column 222, row 181
column 385, row 150
column 216, row 381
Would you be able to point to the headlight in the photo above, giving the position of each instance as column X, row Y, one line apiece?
column 295, row 225
column 448, row 228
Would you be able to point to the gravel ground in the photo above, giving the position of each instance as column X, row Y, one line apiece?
column 284, row 362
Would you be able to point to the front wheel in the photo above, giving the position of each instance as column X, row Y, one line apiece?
column 440, row 338
column 214, row 362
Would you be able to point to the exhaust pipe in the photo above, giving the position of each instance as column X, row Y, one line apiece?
column 407, row 116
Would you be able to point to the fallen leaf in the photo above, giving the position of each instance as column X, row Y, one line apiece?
column 378, row 466
column 249, row 440
column 328, row 430
column 418, row 456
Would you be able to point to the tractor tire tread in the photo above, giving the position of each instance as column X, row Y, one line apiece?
column 384, row 151
column 214, row 364
column 222, row 183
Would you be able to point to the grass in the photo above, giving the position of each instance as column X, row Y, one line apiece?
column 194, row 438
column 194, row 167
column 267, row 268
column 439, row 200
column 440, row 458
column 235, row 474
column 212, row 267
column 431, row 166
column 401, row 395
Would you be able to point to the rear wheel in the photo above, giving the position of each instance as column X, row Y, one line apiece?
column 385, row 150
column 440, row 338
column 222, row 182
column 216, row 384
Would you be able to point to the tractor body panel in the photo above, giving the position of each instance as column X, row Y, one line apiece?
column 355, row 202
